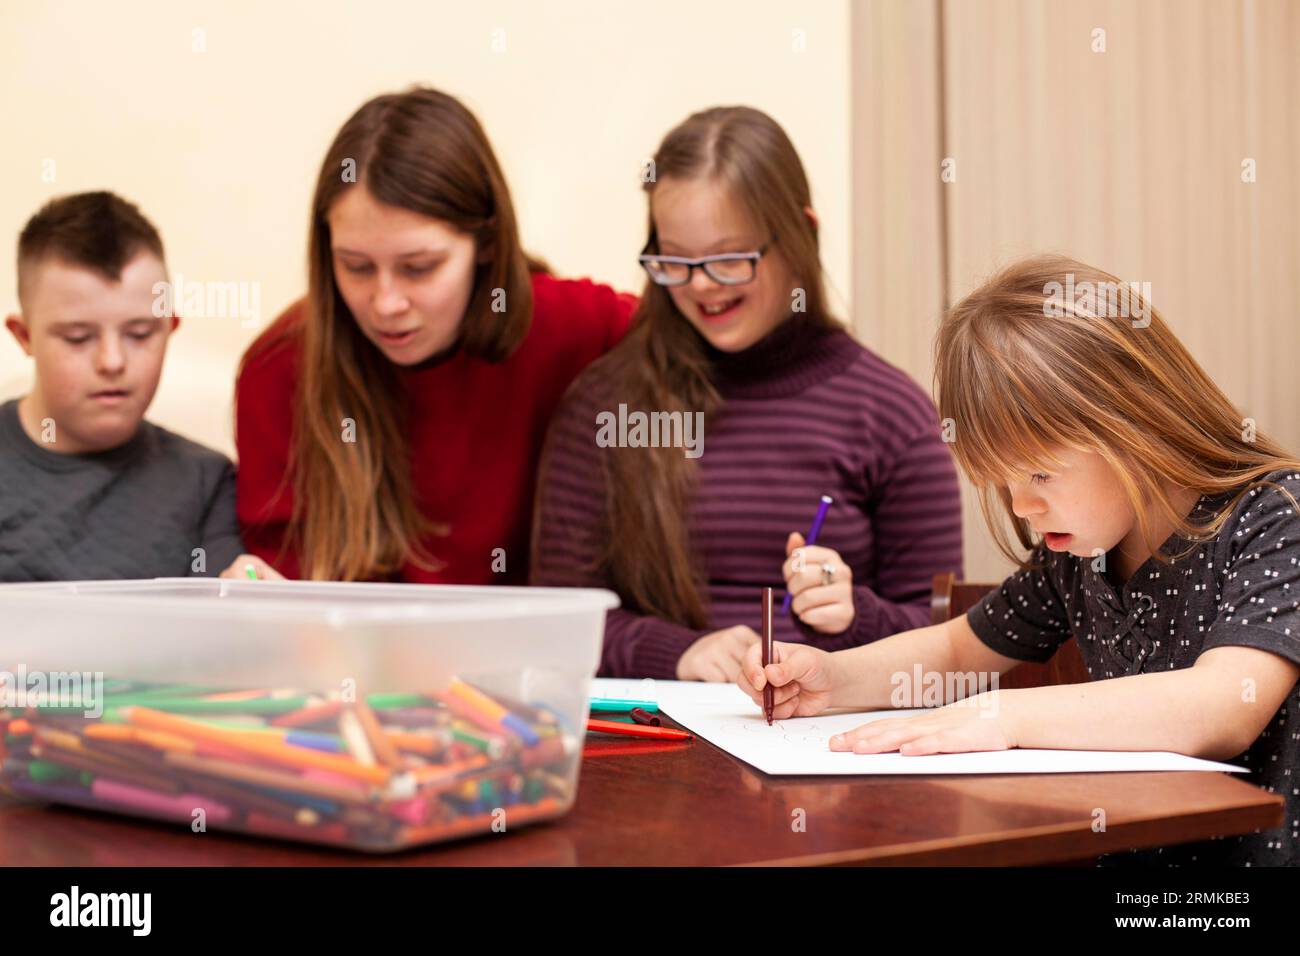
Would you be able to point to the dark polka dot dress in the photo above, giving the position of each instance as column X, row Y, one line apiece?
column 1240, row 589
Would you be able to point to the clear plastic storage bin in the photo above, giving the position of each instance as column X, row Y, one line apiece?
column 371, row 716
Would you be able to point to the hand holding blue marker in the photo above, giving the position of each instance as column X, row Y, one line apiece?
column 811, row 539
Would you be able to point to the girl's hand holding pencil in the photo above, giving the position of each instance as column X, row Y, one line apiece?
column 807, row 680
column 821, row 585
column 802, row 680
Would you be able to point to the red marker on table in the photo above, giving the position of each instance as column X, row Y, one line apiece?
column 637, row 730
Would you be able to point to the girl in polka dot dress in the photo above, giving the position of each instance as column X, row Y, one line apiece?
column 1163, row 537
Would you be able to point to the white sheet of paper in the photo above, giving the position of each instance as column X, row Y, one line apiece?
column 620, row 688
column 724, row 716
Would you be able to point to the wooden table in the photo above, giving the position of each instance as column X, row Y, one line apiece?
column 690, row 804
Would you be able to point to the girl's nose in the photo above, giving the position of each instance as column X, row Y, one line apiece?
column 389, row 299
column 701, row 282
column 1024, row 503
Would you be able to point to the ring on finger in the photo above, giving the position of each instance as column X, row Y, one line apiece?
column 828, row 572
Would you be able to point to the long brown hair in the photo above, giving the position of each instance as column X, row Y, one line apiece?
column 662, row 364
column 354, row 510
column 1016, row 384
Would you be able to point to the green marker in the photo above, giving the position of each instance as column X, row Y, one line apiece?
column 534, row 789
column 169, row 692
column 492, row 746
column 614, row 704
column 42, row 771
column 395, row 700
column 260, row 706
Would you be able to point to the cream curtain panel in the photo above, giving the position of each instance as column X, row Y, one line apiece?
column 1158, row 139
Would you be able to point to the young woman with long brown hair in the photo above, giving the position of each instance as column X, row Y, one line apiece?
column 1164, row 534
column 734, row 332
column 388, row 426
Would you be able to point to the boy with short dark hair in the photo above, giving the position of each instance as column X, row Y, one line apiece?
column 88, row 488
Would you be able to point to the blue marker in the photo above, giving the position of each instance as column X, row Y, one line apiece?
column 328, row 743
column 811, row 539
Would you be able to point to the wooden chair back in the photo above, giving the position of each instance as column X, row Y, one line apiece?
column 951, row 597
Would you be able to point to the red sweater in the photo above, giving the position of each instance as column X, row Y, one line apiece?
column 476, row 433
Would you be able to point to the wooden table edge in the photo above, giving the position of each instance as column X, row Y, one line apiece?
column 1027, row 845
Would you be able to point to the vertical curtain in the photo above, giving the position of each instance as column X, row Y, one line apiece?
column 1124, row 134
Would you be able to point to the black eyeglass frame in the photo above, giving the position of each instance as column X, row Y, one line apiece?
column 703, row 262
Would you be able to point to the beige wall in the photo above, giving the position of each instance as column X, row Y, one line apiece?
column 220, row 148
column 1130, row 159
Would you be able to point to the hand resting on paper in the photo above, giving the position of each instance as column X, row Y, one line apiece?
column 717, row 656
column 956, row 728
column 806, row 679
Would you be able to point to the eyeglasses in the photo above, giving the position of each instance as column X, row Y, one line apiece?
column 728, row 268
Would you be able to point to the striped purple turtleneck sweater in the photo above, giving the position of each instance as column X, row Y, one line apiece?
column 806, row 412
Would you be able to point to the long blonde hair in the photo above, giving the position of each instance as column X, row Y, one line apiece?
column 1022, row 371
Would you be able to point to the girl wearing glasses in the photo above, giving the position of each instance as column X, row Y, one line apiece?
column 388, row 426
column 733, row 328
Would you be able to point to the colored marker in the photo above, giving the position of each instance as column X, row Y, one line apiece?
column 641, row 716
column 308, row 766
column 492, row 711
column 273, row 750
column 810, row 540
column 768, row 703
column 157, row 804
column 383, row 749
column 614, row 704
column 637, row 730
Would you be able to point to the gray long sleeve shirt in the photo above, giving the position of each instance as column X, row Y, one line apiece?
column 157, row 506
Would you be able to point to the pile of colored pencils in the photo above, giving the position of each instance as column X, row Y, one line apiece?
column 381, row 773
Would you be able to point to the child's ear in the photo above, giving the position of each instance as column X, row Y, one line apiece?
column 812, row 216
column 18, row 329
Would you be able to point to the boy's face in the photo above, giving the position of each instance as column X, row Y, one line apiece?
column 97, row 346
column 1078, row 505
